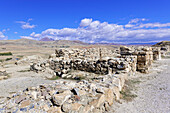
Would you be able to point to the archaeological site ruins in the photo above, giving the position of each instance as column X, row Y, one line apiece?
column 90, row 79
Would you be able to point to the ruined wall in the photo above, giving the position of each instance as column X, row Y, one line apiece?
column 144, row 57
column 92, row 95
column 95, row 96
column 103, row 66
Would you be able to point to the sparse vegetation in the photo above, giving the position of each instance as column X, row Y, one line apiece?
column 7, row 59
column 6, row 54
column 166, row 56
column 24, row 70
column 20, row 56
column 53, row 78
column 126, row 92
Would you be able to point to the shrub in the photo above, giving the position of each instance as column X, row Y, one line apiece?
column 6, row 54
column 7, row 59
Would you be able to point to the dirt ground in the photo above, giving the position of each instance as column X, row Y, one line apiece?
column 153, row 91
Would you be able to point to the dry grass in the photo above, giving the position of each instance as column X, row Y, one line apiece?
column 127, row 92
column 53, row 78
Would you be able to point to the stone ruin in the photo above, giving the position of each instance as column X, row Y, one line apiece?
column 94, row 95
column 145, row 56
column 91, row 61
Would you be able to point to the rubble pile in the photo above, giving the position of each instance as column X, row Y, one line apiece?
column 84, row 96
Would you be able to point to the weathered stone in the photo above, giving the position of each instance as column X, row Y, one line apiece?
column 75, row 106
column 55, row 110
column 34, row 94
column 66, row 107
column 97, row 102
column 59, row 99
column 20, row 99
column 109, row 96
column 25, row 103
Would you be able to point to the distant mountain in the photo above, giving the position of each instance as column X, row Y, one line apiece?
column 45, row 42
column 70, row 42
column 46, row 39
column 163, row 43
column 150, row 43
column 105, row 44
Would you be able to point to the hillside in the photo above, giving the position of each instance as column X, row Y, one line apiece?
column 42, row 43
column 161, row 44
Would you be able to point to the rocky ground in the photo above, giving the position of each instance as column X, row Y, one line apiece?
column 19, row 79
column 153, row 92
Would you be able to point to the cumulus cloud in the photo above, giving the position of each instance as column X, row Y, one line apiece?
column 85, row 22
column 26, row 25
column 96, row 31
column 137, row 23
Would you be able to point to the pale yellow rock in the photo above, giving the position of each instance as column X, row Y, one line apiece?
column 55, row 110
column 25, row 103
column 76, row 106
column 98, row 102
column 109, row 96
column 45, row 107
column 59, row 99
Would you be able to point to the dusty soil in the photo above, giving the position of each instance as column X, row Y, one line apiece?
column 153, row 91
column 19, row 79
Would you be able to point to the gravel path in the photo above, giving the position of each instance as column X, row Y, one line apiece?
column 153, row 92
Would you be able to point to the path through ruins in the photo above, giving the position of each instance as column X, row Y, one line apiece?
column 153, row 92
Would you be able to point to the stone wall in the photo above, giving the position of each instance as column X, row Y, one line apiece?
column 145, row 56
column 95, row 96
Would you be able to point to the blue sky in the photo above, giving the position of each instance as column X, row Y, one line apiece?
column 86, row 20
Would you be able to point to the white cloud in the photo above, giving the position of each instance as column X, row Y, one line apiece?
column 136, row 20
column 26, row 25
column 95, row 31
column 152, row 25
column 137, row 23
column 85, row 22
column 15, row 32
column 2, row 36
